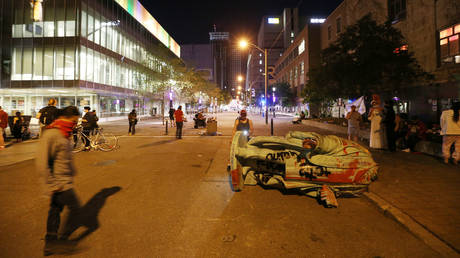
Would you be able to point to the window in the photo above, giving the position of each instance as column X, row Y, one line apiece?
column 329, row 32
column 339, row 24
column 260, row 61
column 450, row 44
column 292, row 34
column 38, row 63
column 27, row 59
column 48, row 60
column 396, row 10
column 302, row 68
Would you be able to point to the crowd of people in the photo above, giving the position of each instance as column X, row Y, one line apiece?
column 390, row 131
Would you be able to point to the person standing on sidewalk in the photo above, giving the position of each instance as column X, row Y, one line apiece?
column 54, row 164
column 450, row 131
column 132, row 119
column 47, row 115
column 179, row 117
column 354, row 120
column 171, row 116
column 88, row 122
column 389, row 122
column 18, row 125
column 375, row 116
column 3, row 125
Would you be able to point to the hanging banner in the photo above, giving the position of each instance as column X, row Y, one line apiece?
column 360, row 106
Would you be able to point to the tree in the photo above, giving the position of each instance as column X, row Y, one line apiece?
column 285, row 94
column 367, row 58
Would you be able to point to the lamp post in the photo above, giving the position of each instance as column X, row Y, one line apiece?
column 244, row 44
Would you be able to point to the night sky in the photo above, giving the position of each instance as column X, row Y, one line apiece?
column 191, row 21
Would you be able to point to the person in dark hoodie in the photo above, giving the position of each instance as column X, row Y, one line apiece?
column 389, row 122
column 54, row 163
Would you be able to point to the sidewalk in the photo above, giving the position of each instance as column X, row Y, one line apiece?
column 419, row 186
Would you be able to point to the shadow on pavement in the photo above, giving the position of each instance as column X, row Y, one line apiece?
column 156, row 143
column 87, row 216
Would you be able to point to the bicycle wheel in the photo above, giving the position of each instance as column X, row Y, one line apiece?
column 106, row 141
column 78, row 143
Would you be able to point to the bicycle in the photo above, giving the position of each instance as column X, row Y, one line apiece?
column 97, row 140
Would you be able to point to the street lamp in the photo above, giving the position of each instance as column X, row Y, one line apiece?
column 244, row 44
column 240, row 78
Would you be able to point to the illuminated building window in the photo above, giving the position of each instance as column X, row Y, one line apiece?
column 273, row 20
column 450, row 44
column 260, row 61
column 260, row 70
column 292, row 34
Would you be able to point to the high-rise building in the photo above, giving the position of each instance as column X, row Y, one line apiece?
column 276, row 33
column 81, row 52
column 227, row 62
column 220, row 51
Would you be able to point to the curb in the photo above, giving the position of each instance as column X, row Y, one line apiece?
column 412, row 226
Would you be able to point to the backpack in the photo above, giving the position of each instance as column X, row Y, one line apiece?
column 48, row 115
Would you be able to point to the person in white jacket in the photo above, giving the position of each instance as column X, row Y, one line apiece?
column 450, row 131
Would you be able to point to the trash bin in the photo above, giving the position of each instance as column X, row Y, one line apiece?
column 211, row 127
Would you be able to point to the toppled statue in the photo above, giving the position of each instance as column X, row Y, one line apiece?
column 324, row 166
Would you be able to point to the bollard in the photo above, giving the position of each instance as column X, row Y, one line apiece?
column 166, row 127
column 271, row 127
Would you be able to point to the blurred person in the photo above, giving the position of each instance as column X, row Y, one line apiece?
column 3, row 125
column 88, row 123
column 242, row 123
column 376, row 116
column 401, row 129
column 354, row 120
column 415, row 133
column 132, row 119
column 171, row 116
column 54, row 163
column 179, row 118
column 47, row 115
column 450, row 131
column 389, row 123
column 18, row 123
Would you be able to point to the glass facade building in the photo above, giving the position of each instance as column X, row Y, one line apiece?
column 82, row 52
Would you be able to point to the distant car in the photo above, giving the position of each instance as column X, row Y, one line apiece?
column 322, row 166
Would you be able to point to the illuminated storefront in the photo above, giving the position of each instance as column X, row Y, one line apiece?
column 81, row 52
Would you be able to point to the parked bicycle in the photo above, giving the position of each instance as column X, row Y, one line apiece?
column 97, row 139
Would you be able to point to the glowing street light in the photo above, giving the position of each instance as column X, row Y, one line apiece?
column 239, row 87
column 240, row 78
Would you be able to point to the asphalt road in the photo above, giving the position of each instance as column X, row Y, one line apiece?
column 175, row 201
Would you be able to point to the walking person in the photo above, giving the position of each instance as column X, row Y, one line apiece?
column 47, row 115
column 18, row 123
column 242, row 123
column 390, row 125
column 450, row 131
column 179, row 117
column 54, row 163
column 132, row 119
column 354, row 120
column 87, row 123
column 171, row 116
column 3, row 125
